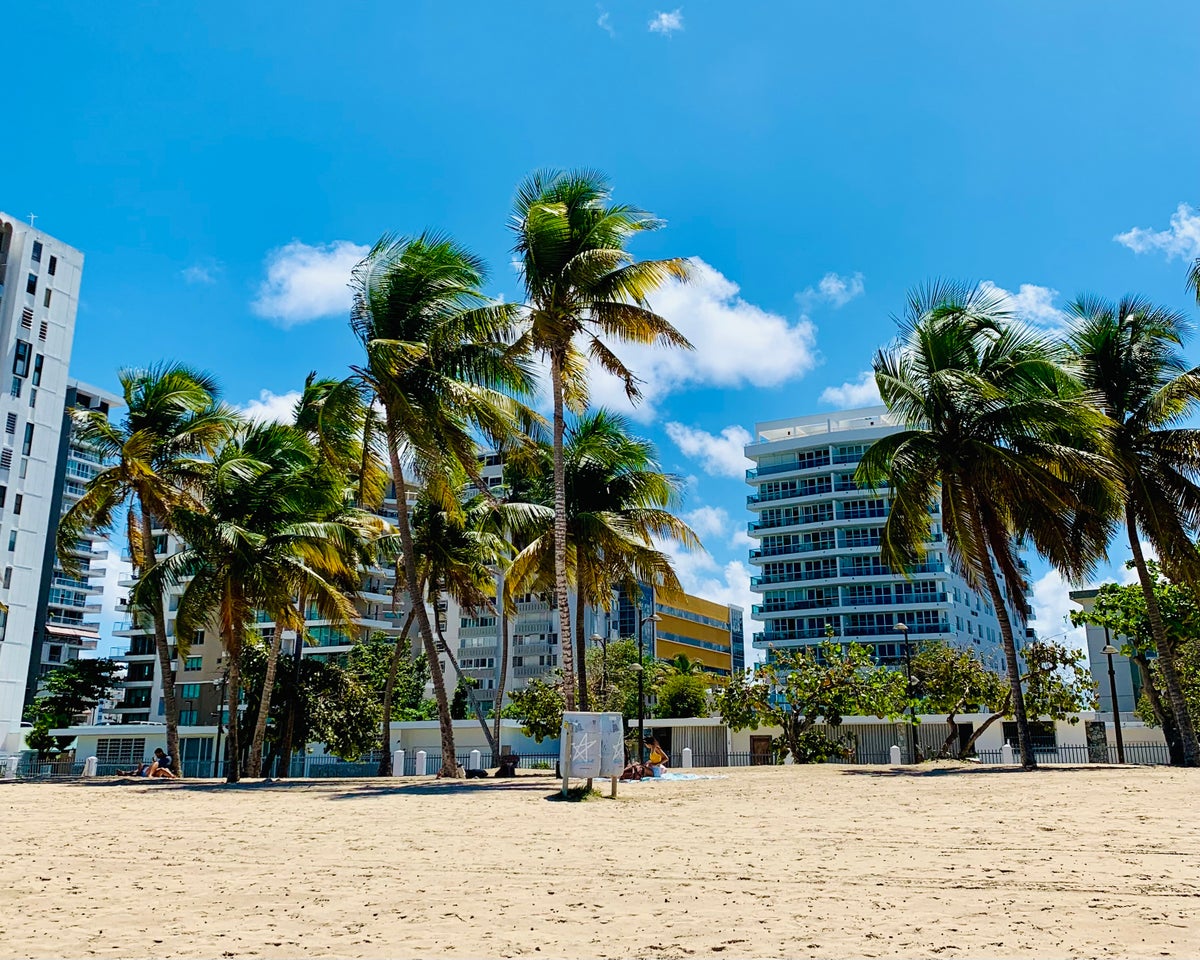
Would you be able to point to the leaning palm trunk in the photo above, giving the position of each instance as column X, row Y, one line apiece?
column 170, row 704
column 389, row 688
column 475, row 707
column 445, row 720
column 1166, row 653
column 254, row 765
column 560, row 535
column 1162, row 713
column 1025, row 744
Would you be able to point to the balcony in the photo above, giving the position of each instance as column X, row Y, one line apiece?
column 895, row 601
column 785, row 636
column 525, row 627
column 799, row 576
column 473, row 651
column 779, row 550
column 792, row 466
column 489, row 630
column 869, row 513
column 883, row 630
column 525, row 673
column 787, row 606
column 534, row 649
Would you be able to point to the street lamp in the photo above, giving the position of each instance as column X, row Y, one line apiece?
column 912, row 710
column 1108, row 651
column 603, row 641
column 641, row 672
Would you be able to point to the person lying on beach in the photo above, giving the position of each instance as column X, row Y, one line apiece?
column 636, row 771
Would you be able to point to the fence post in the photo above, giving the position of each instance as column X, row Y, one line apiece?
column 475, row 762
column 894, row 755
column 398, row 763
column 421, row 758
column 89, row 766
column 687, row 757
column 1006, row 753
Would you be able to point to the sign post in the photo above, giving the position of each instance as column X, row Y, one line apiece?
column 592, row 746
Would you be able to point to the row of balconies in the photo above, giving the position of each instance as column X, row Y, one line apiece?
column 765, row 638
column 842, row 543
column 832, row 603
column 806, row 576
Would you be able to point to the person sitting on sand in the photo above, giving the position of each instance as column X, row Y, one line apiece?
column 161, row 766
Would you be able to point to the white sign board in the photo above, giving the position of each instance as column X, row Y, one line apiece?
column 592, row 745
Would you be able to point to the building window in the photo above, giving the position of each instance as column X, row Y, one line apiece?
column 3, row 495
column 55, row 655
column 7, row 577
column 53, row 268
column 16, row 386
column 27, row 444
column 27, row 318
column 198, row 639
column 31, row 284
column 17, row 501
column 193, row 663
column 44, row 329
column 37, row 369
column 5, row 459
column 46, row 298
column 12, row 541
column 188, row 718
column 189, row 691
column 24, row 468
column 10, row 423
column 36, row 256
column 33, row 396
column 120, row 750
column 21, row 359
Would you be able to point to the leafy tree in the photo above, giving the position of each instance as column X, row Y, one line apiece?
column 74, row 688
column 539, row 707
column 439, row 359
column 798, row 688
column 1122, row 609
column 998, row 435
column 582, row 287
column 157, row 455
column 1129, row 354
column 1056, row 681
column 682, row 695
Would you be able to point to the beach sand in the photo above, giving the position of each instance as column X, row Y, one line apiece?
column 789, row 861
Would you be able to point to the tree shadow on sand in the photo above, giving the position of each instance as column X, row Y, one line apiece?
column 991, row 770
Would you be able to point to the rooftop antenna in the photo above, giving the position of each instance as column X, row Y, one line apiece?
column 32, row 217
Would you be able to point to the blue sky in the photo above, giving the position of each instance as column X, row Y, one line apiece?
column 221, row 165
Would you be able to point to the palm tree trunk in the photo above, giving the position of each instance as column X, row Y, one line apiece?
column 231, row 631
column 560, row 535
column 293, row 710
column 385, row 761
column 1024, row 741
column 498, row 702
column 1163, row 714
column 170, row 703
column 1166, row 653
column 580, row 640
column 254, row 767
column 445, row 720
column 478, row 710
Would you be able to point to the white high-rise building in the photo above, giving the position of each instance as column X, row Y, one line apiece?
column 818, row 553
column 39, row 293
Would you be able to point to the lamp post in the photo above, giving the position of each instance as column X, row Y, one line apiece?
column 641, row 672
column 220, row 726
column 912, row 710
column 603, row 641
column 1108, row 651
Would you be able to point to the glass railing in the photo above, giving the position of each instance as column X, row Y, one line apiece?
column 783, row 606
column 889, row 630
column 798, row 576
column 768, row 469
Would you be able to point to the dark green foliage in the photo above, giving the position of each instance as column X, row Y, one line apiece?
column 682, row 695
column 74, row 688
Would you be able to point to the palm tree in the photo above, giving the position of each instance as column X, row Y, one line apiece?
column 618, row 505
column 336, row 417
column 156, row 455
column 997, row 433
column 582, row 287
column 440, row 360
column 253, row 548
column 1128, row 354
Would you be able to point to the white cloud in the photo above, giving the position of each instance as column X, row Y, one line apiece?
column 857, row 393
column 1051, row 602
column 306, row 282
column 271, row 407
column 1032, row 303
column 667, row 23
column 736, row 344
column 201, row 273
column 834, row 289
column 741, row 540
column 707, row 521
column 721, row 456
column 1181, row 239
column 603, row 22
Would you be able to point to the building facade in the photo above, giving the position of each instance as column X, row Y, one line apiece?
column 1126, row 674
column 69, row 607
column 818, row 533
column 39, row 294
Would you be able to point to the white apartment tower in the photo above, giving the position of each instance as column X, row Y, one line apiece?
column 39, row 293
column 818, row 558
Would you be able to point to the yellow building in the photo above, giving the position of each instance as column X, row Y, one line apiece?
column 702, row 630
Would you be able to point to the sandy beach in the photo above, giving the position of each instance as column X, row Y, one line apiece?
column 790, row 861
